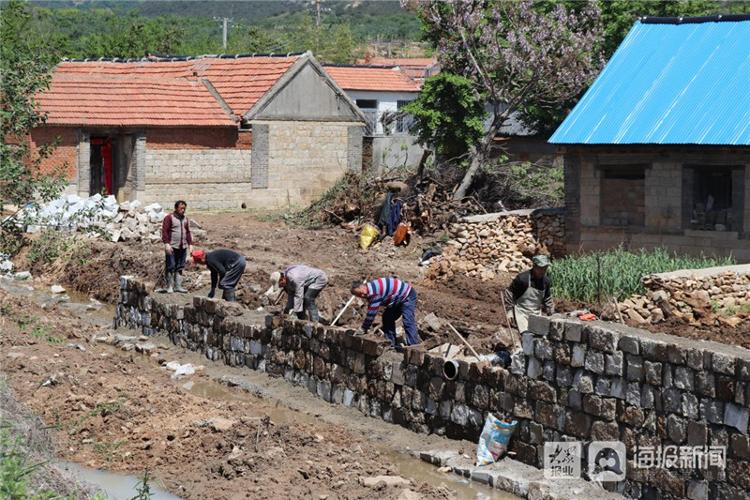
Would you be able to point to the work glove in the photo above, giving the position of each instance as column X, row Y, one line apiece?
column 212, row 293
column 360, row 331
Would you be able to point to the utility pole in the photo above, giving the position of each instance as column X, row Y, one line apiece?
column 317, row 13
column 225, row 29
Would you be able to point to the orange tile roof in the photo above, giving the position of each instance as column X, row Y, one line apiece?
column 384, row 79
column 424, row 62
column 86, row 99
column 145, row 90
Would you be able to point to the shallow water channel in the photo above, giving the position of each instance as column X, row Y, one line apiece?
column 121, row 486
column 115, row 486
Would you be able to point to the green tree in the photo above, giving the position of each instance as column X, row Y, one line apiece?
column 26, row 61
column 134, row 37
column 448, row 115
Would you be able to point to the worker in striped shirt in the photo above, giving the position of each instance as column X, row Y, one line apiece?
column 400, row 301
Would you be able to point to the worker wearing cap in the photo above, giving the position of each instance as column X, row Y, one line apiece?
column 530, row 293
column 226, row 268
column 302, row 285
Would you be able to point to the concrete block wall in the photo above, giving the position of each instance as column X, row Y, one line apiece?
column 574, row 381
column 304, row 160
column 663, row 196
column 207, row 178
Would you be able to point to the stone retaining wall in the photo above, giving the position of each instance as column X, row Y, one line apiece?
column 504, row 242
column 574, row 381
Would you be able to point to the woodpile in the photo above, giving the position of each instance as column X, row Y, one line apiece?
column 698, row 297
column 484, row 246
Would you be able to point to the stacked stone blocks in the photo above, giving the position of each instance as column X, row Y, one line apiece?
column 574, row 381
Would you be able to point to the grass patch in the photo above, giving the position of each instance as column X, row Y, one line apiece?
column 107, row 449
column 16, row 468
column 617, row 273
column 52, row 245
column 42, row 332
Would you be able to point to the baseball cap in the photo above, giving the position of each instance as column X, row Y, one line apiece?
column 541, row 261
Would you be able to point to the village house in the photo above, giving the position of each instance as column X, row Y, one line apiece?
column 225, row 132
column 380, row 93
column 657, row 152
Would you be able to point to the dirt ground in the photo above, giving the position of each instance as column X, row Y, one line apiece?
column 121, row 411
column 472, row 306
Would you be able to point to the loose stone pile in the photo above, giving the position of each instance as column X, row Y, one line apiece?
column 101, row 216
column 691, row 295
column 484, row 245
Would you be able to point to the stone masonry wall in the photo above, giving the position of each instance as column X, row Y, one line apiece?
column 207, row 178
column 573, row 381
column 304, row 160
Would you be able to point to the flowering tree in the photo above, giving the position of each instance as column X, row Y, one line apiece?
column 523, row 57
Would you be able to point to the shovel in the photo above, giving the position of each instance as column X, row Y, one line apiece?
column 346, row 306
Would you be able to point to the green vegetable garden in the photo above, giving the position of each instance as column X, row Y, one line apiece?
column 617, row 273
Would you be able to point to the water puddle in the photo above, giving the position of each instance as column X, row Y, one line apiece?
column 94, row 312
column 114, row 485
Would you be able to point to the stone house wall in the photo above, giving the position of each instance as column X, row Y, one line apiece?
column 667, row 199
column 296, row 161
column 579, row 381
column 210, row 168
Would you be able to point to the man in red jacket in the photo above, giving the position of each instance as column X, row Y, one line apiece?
column 178, row 244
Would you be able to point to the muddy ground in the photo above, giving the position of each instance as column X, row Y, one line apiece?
column 121, row 411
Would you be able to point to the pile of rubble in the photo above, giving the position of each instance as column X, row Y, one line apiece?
column 101, row 216
column 484, row 245
column 693, row 296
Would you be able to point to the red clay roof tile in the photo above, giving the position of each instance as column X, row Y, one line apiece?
column 158, row 92
column 372, row 78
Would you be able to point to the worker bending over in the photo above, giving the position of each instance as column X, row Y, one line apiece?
column 530, row 293
column 400, row 301
column 302, row 285
column 226, row 268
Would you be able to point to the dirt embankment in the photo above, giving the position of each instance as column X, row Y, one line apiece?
column 473, row 306
column 121, row 411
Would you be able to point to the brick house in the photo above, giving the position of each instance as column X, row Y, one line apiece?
column 221, row 132
column 657, row 152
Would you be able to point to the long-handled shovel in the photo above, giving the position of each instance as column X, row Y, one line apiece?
column 476, row 355
column 346, row 306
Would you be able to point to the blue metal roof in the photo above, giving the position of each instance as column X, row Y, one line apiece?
column 669, row 83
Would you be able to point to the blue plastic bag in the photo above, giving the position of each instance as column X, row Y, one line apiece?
column 493, row 442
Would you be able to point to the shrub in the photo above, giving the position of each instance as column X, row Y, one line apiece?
column 617, row 273
column 50, row 246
